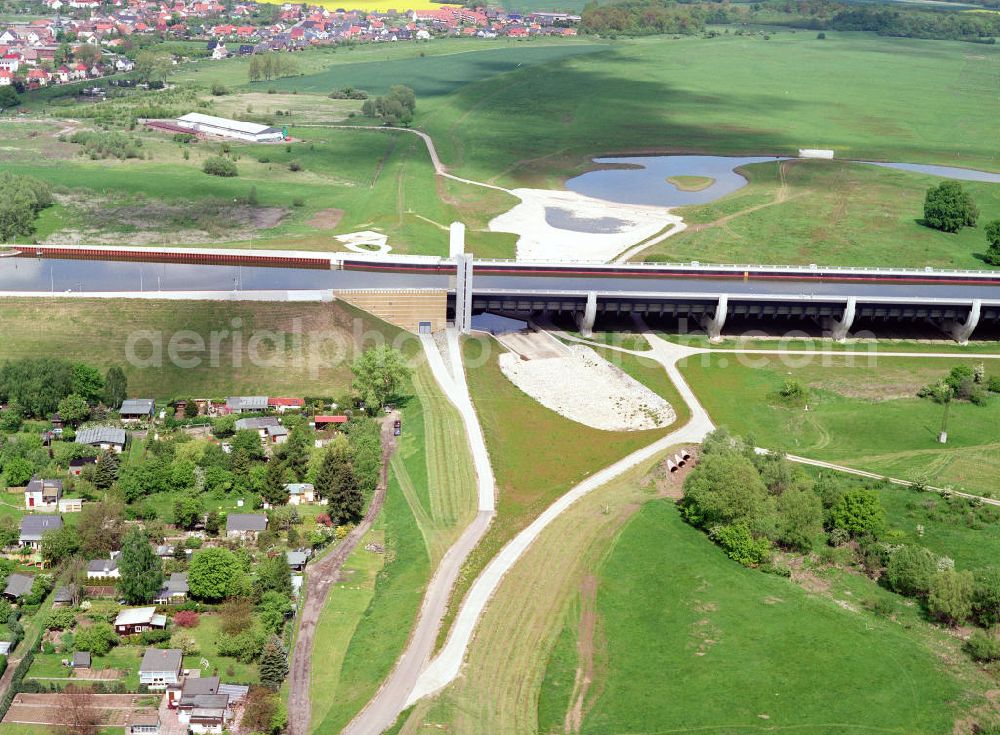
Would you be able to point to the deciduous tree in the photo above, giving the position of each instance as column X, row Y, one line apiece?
column 212, row 573
column 951, row 596
column 949, row 208
column 379, row 373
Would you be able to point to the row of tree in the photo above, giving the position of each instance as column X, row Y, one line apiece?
column 750, row 504
column 642, row 17
column 268, row 66
column 395, row 108
column 34, row 386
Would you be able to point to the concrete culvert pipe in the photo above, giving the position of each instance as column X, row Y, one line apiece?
column 671, row 466
column 679, row 460
column 685, row 454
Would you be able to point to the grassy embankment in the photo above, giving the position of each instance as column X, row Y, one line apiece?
column 867, row 345
column 97, row 332
column 536, row 454
column 369, row 614
column 860, row 416
column 654, row 615
column 828, row 212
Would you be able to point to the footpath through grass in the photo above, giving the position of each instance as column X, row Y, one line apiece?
column 694, row 641
column 863, row 416
column 828, row 212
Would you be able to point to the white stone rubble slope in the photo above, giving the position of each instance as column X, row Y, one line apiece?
column 583, row 386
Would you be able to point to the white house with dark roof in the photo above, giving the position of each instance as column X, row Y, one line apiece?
column 102, row 437
column 103, row 568
column 42, row 495
column 32, row 528
column 161, row 667
column 245, row 525
column 174, row 591
column 137, row 409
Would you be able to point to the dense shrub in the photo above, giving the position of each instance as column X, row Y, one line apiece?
column 949, row 208
column 740, row 545
column 186, row 619
column 23, row 198
column 348, row 93
column 98, row 639
column 99, row 145
column 911, row 570
column 219, row 166
column 153, row 637
column 860, row 513
column 983, row 646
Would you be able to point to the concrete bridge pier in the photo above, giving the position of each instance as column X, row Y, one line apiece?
column 713, row 324
column 839, row 328
column 585, row 319
column 961, row 331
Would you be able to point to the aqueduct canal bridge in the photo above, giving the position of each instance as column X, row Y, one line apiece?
column 839, row 298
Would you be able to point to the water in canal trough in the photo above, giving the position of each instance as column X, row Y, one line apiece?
column 643, row 179
column 56, row 275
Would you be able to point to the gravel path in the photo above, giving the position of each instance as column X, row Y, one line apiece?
column 397, row 690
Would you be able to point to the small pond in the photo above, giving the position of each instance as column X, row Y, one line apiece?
column 643, row 179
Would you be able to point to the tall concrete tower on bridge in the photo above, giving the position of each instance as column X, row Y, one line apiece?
column 463, row 278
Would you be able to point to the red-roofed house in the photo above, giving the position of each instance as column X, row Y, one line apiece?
column 284, row 404
column 6, row 77
column 325, row 422
column 39, row 77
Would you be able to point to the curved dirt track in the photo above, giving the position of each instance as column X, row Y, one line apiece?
column 320, row 576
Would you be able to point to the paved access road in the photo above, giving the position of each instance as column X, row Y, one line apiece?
column 394, row 694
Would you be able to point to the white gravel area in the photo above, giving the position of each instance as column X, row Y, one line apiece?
column 539, row 240
column 586, row 388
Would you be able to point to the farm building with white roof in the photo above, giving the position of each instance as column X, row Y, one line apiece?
column 252, row 132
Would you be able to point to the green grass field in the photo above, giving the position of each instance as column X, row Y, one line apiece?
column 699, row 643
column 861, row 416
column 349, row 599
column 828, row 212
column 438, row 74
column 896, row 99
column 384, row 625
